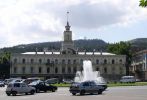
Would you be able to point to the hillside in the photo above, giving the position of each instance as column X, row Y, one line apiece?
column 87, row 45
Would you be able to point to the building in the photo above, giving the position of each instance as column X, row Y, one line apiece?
column 139, row 65
column 65, row 63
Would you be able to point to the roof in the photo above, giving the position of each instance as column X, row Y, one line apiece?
column 79, row 53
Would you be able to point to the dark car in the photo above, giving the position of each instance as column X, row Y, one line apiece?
column 42, row 86
column 86, row 87
column 2, row 84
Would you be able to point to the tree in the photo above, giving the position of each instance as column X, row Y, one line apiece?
column 143, row 3
column 122, row 48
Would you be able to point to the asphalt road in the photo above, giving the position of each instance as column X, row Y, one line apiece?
column 113, row 93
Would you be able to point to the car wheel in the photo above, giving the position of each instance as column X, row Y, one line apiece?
column 26, row 93
column 37, row 90
column 32, row 92
column 8, row 94
column 82, row 92
column 99, row 91
column 53, row 90
column 73, row 93
column 14, row 93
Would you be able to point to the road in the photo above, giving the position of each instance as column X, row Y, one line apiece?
column 112, row 93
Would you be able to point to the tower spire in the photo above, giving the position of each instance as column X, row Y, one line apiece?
column 67, row 27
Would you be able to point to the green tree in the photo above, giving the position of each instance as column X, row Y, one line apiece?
column 122, row 48
column 143, row 3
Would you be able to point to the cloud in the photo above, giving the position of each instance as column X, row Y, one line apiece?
column 28, row 21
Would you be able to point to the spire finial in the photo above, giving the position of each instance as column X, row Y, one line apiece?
column 67, row 27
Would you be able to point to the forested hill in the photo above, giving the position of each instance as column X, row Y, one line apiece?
column 138, row 44
column 86, row 44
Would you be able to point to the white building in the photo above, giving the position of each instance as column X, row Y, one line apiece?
column 66, row 62
column 139, row 65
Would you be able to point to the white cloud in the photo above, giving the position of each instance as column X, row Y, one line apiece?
column 28, row 21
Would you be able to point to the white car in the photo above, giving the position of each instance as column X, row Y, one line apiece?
column 18, row 88
column 127, row 79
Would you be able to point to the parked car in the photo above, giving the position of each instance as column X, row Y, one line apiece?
column 42, row 86
column 52, row 81
column 19, row 88
column 67, row 81
column 86, row 87
column 2, row 84
column 127, row 79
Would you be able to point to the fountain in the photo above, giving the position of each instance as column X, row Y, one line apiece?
column 88, row 74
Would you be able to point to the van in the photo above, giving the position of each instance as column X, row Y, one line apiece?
column 127, row 79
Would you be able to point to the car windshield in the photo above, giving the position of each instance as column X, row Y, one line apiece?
column 35, row 82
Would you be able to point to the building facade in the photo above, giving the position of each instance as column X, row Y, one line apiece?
column 139, row 65
column 66, row 62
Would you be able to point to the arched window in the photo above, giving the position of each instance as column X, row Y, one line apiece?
column 81, row 61
column 113, row 61
column 97, row 61
column 15, row 69
column 105, row 70
column 63, row 61
column 32, row 70
column 113, row 70
column 48, row 70
column 105, row 61
column 40, row 70
column 120, row 61
column 32, row 61
column 23, row 70
column 69, row 69
column 48, row 61
column 23, row 61
column 56, row 70
column 40, row 61
column 75, row 69
column 63, row 69
column 56, row 61
column 69, row 61
column 97, row 69
column 74, row 61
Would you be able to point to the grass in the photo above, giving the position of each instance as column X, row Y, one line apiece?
column 110, row 84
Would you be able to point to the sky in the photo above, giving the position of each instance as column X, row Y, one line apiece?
column 34, row 21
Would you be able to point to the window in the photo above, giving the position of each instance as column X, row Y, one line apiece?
column 16, row 85
column 74, row 61
column 113, row 61
column 40, row 61
column 86, row 84
column 48, row 61
column 97, row 61
column 97, row 69
column 15, row 70
column 32, row 61
column 81, row 61
column 23, row 61
column 56, row 61
column 113, row 70
column 69, row 70
column 63, row 61
column 105, row 61
column 23, row 70
column 15, row 60
column 68, row 61
column 120, row 61
column 105, row 70
column 56, row 70
column 48, row 70
column 63, row 69
column 75, row 69
column 121, row 70
column 32, row 69
column 81, row 69
column 40, row 70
